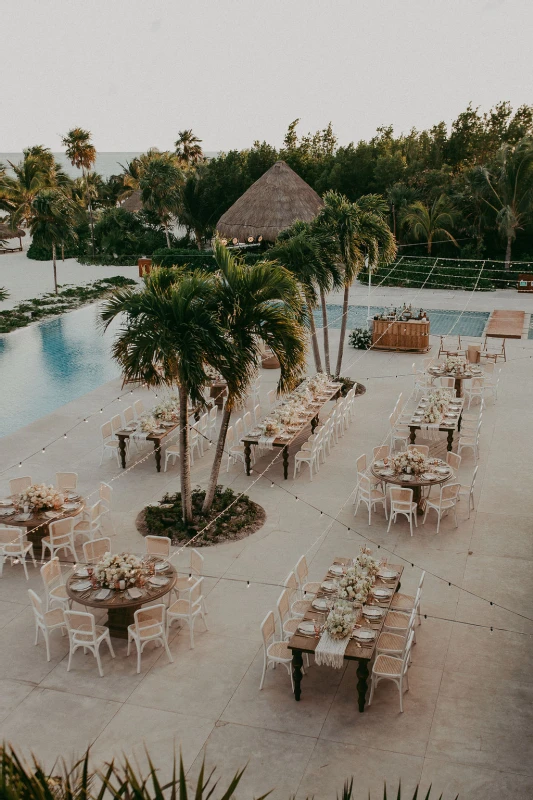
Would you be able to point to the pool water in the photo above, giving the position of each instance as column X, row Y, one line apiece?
column 471, row 323
column 46, row 365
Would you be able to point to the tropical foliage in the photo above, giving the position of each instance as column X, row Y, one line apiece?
column 82, row 154
column 52, row 222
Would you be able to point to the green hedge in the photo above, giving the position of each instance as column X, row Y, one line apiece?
column 447, row 274
column 109, row 261
column 38, row 252
column 199, row 259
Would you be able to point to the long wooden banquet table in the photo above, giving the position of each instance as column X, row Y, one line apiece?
column 447, row 424
column 286, row 440
column 300, row 643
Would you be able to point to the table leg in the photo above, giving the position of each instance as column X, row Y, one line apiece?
column 285, row 462
column 419, row 500
column 247, row 457
column 459, row 422
column 118, row 620
column 157, row 453
column 314, row 423
column 458, row 387
column 450, row 440
column 362, row 685
column 412, row 437
column 122, row 450
column 297, row 663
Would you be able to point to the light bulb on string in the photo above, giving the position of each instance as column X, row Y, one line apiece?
column 43, row 449
column 64, row 436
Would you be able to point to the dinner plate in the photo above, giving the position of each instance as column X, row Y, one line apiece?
column 384, row 594
column 72, row 496
column 364, row 634
column 442, row 470
column 51, row 514
column 167, row 424
column 407, row 477
column 429, row 476
column 161, row 566
column 81, row 573
column 379, row 464
column 158, row 431
column 336, row 569
column 448, row 424
column 6, row 502
column 387, row 574
column 416, row 419
column 329, row 586
column 81, row 586
column 319, row 604
column 306, row 628
column 158, row 581
column 21, row 518
column 372, row 612
column 386, row 472
column 70, row 506
column 103, row 594
column 130, row 428
column 134, row 593
column 6, row 512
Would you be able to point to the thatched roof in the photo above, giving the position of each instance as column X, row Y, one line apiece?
column 133, row 202
column 270, row 205
column 8, row 233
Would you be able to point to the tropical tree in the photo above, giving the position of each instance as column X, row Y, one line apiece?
column 506, row 187
column 18, row 193
column 82, row 154
column 195, row 211
column 171, row 333
column 160, row 180
column 188, row 148
column 359, row 229
column 52, row 222
column 258, row 303
column 428, row 221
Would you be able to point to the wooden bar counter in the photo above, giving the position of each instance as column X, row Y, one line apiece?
column 410, row 335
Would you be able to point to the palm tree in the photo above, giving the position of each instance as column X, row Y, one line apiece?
column 52, row 221
column 430, row 221
column 255, row 303
column 18, row 193
column 160, row 180
column 170, row 335
column 359, row 229
column 82, row 155
column 188, row 148
column 507, row 189
column 194, row 212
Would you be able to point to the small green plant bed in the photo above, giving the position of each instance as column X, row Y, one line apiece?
column 67, row 299
column 241, row 519
column 360, row 338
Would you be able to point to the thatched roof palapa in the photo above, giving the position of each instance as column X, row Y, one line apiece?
column 133, row 203
column 271, row 204
column 8, row 233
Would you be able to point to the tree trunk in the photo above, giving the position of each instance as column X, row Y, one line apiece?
column 393, row 220
column 217, row 461
column 198, row 236
column 325, row 329
column 55, row 265
column 185, row 463
column 90, row 207
column 62, row 251
column 429, row 245
column 166, row 234
column 314, row 340
column 343, row 328
column 508, row 253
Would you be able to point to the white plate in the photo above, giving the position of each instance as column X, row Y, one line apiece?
column 382, row 593
column 81, row 573
column 429, row 476
column 52, row 514
column 442, row 470
column 21, row 517
column 364, row 634
column 6, row 512
column 319, row 604
column 81, row 586
column 387, row 574
column 167, row 424
column 103, row 594
column 72, row 496
column 372, row 612
column 5, row 503
column 158, row 581
column 329, row 586
column 336, row 569
column 70, row 506
column 134, row 593
column 161, row 566
column 378, row 464
column 386, row 472
column 307, row 628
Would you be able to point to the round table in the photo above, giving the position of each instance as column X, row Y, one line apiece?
column 40, row 523
column 414, row 482
column 120, row 609
column 464, row 376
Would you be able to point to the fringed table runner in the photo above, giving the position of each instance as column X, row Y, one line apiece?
column 266, row 442
column 330, row 652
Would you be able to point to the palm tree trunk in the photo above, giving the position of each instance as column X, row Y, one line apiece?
column 343, row 328
column 55, row 265
column 198, row 236
column 62, row 251
column 314, row 340
column 508, row 253
column 430, row 242
column 90, row 207
column 166, row 234
column 185, row 463
column 217, row 461
column 325, row 330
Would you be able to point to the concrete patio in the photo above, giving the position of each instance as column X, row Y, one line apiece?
column 467, row 725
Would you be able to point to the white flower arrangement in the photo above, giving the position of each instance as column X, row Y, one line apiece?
column 355, row 585
column 39, row 497
column 440, row 398
column 455, row 365
column 119, row 567
column 148, row 424
column 432, row 413
column 411, row 460
column 367, row 563
column 168, row 410
column 340, row 622
column 270, row 427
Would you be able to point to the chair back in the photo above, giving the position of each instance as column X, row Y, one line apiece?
column 268, row 629
column 116, row 423
column 301, row 570
column 401, row 497
column 149, row 621
column 18, row 485
column 423, row 449
column 195, row 593
column 158, row 545
column 291, row 583
column 284, row 606
column 361, row 463
column 61, row 530
column 453, row 460
column 106, row 430
column 129, row 415
column 239, row 429
column 213, row 415
column 37, row 605
column 474, row 475
column 10, row 536
column 204, row 422
column 450, row 491
column 364, row 484
column 81, row 626
column 447, row 382
column 106, row 494
column 96, row 549
column 379, row 453
column 51, row 574
column 95, row 512
column 247, row 420
column 196, row 562
column 476, row 383
column 257, row 413
column 271, row 396
column 138, row 407
column 407, row 652
column 230, row 436
column 67, row 481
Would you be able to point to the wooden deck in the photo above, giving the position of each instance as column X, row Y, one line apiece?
column 506, row 324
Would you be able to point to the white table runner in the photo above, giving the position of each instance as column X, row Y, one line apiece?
column 330, row 652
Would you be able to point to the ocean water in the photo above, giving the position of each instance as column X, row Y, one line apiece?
column 51, row 363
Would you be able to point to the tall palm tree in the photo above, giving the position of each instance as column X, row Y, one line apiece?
column 18, row 193
column 160, row 180
column 195, row 212
column 82, row 154
column 255, row 303
column 359, row 229
column 188, row 148
column 426, row 222
column 506, row 187
column 170, row 334
column 52, row 222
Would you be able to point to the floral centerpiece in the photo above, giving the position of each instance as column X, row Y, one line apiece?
column 431, row 413
column 119, row 567
column 409, row 461
column 340, row 622
column 168, row 410
column 355, row 585
column 440, row 398
column 40, row 497
column 455, row 364
column 367, row 563
column 270, row 427
column 148, row 424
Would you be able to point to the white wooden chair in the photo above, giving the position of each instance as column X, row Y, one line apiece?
column 492, row 385
column 18, row 485
column 196, row 570
column 67, row 481
column 288, row 623
column 401, row 502
column 393, row 669
column 448, row 499
column 309, row 457
column 447, row 382
column 60, row 537
column 128, row 415
column 15, row 547
column 189, row 608
column 257, row 413
column 54, row 585
column 394, row 644
column 398, row 432
column 157, row 546
column 398, row 621
column 92, row 522
column 467, row 490
column 301, row 571
column 274, row 651
column 299, row 606
column 84, row 632
column 423, row 449
column 369, row 494
column 470, row 441
column 247, row 422
column 96, row 549
column 109, row 442
column 272, row 398
column 379, row 453
column 453, row 460
column 474, row 388
column 138, row 408
column 212, row 424
column 235, row 451
column 172, row 451
column 149, row 626
column 406, row 602
column 46, row 622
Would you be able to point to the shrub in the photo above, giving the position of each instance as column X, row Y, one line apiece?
column 39, row 252
column 360, row 338
column 196, row 259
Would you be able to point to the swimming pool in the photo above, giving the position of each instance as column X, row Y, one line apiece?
column 471, row 323
column 46, row 365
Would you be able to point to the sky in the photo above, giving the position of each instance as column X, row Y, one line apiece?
column 135, row 72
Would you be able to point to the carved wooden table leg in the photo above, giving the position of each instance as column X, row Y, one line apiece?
column 450, row 440
column 362, row 685
column 122, row 449
column 297, row 663
column 314, row 423
column 412, row 437
column 247, row 457
column 285, row 462
column 157, row 453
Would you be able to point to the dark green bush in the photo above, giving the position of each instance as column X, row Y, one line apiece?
column 39, row 252
column 196, row 259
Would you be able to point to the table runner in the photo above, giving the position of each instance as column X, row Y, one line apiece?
column 329, row 652
column 266, row 442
